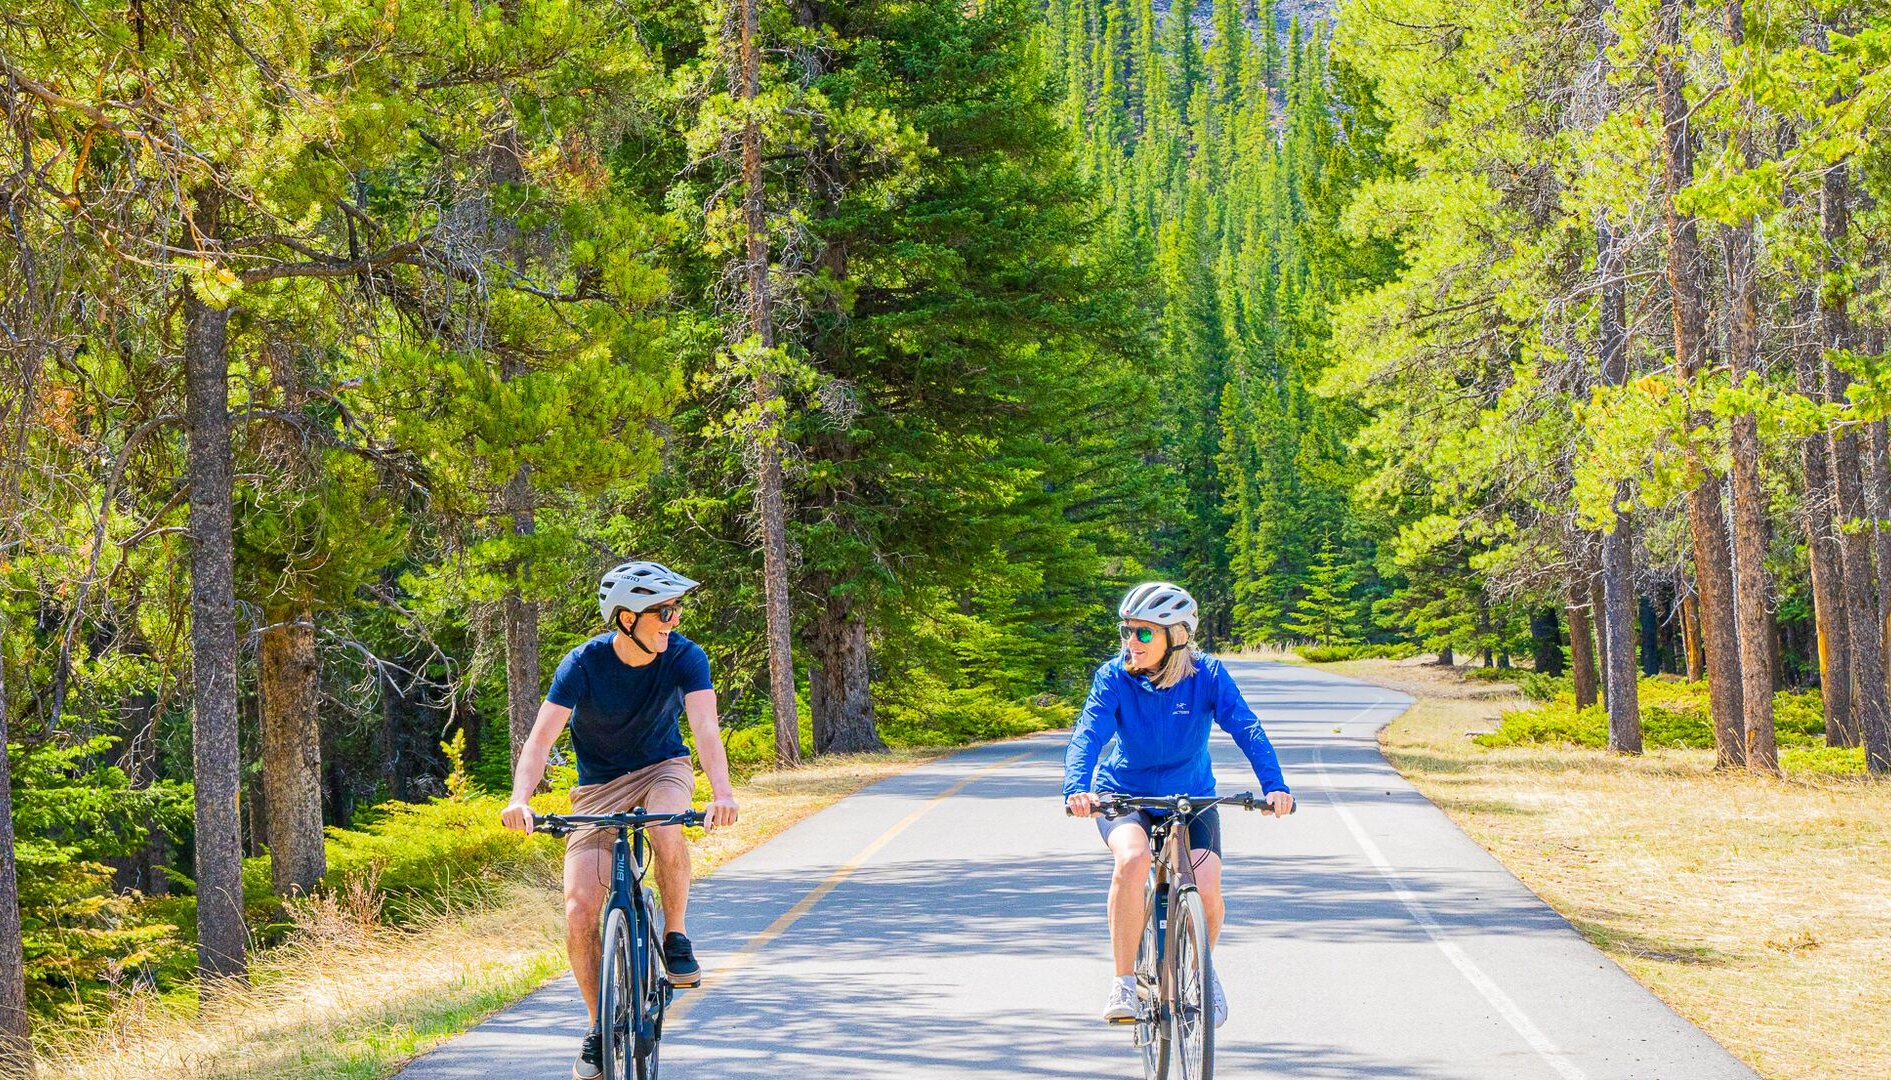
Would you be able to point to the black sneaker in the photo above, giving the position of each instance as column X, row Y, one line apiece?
column 679, row 959
column 590, row 1061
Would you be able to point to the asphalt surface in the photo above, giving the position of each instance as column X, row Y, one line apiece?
column 949, row 922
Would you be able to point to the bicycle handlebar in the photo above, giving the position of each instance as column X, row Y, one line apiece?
column 1110, row 804
column 561, row 824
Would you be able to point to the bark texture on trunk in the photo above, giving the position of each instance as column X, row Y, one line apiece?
column 1712, row 551
column 1691, row 637
column 843, row 704
column 292, row 751
column 521, row 625
column 770, row 500
column 1582, row 659
column 1869, row 705
column 1752, row 620
column 1831, row 623
column 1616, row 641
column 16, row 1026
column 222, row 937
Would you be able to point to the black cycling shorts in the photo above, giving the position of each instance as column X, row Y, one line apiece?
column 1204, row 832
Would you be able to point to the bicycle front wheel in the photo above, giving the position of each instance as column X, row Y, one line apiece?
column 1152, row 1031
column 1192, row 1021
column 654, row 992
column 617, row 998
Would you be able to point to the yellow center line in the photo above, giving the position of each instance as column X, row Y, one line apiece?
column 742, row 957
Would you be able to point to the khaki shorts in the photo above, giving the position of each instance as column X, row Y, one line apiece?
column 626, row 793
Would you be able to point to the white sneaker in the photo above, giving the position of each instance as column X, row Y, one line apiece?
column 1123, row 1008
column 1218, row 999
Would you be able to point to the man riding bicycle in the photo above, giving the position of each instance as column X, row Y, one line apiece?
column 623, row 692
column 1156, row 699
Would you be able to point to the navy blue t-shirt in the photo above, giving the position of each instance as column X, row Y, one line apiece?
column 625, row 718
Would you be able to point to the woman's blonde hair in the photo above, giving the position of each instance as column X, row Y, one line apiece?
column 1180, row 664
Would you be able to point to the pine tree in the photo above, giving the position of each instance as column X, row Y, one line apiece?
column 1326, row 612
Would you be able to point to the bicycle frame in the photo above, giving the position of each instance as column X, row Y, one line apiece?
column 628, row 896
column 628, row 868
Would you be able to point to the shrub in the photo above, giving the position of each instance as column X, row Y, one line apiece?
column 1330, row 654
column 1538, row 687
column 1675, row 713
column 926, row 712
column 436, row 854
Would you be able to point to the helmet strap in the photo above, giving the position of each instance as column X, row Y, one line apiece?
column 635, row 617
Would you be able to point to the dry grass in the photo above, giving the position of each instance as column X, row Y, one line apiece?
column 1760, row 909
column 354, row 998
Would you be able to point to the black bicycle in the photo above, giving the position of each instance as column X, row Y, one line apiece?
column 633, row 987
column 1175, row 974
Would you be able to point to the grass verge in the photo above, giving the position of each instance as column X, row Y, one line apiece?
column 1759, row 909
column 355, row 998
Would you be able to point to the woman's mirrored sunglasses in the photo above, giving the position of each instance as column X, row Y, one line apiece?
column 1144, row 634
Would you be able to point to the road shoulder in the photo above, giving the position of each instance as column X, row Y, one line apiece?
column 1755, row 908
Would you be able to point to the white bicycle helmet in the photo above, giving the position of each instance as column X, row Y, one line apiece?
column 1161, row 603
column 639, row 586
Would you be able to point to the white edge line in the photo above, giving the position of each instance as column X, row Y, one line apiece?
column 1483, row 983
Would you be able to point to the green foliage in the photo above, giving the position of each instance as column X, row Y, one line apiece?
column 1327, row 654
column 1674, row 714
column 1326, row 612
column 70, row 815
column 424, row 856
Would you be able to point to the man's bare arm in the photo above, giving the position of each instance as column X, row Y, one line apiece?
column 700, row 706
column 531, row 770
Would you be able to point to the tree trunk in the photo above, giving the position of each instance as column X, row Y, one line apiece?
column 770, row 503
column 1691, row 637
column 221, row 933
column 843, row 717
column 1650, row 637
column 1598, row 617
column 1712, row 569
column 140, row 871
column 16, row 1026
column 1752, row 621
column 1582, row 660
column 1831, row 623
column 1546, row 645
column 1620, row 691
column 292, row 751
column 521, row 624
column 1446, row 658
column 1855, row 543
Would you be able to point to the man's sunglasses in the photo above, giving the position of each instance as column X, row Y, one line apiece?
column 665, row 612
column 1144, row 634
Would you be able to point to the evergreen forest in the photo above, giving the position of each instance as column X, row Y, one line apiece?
column 343, row 344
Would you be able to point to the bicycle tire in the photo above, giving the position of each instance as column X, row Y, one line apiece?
column 1192, row 1020
column 616, row 998
column 1152, row 1032
column 653, row 998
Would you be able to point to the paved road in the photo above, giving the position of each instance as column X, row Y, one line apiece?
column 949, row 923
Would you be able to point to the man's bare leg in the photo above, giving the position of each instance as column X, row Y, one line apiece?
column 587, row 882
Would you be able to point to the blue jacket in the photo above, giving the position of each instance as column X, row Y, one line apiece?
column 1162, row 735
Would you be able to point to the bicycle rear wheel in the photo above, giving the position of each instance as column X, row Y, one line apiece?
column 1152, row 1031
column 617, row 998
column 1191, row 1022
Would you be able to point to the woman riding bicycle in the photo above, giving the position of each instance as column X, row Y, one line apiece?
column 1156, row 699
